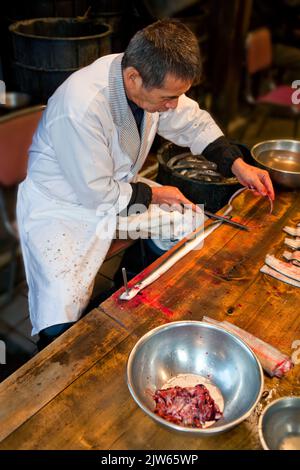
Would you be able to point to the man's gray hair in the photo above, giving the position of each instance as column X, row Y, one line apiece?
column 164, row 47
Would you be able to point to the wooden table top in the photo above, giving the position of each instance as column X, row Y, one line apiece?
column 73, row 394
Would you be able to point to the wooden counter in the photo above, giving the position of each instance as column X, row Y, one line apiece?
column 73, row 395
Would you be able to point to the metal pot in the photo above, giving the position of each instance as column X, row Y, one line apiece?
column 214, row 195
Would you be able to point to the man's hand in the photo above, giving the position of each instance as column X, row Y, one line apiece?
column 172, row 196
column 254, row 178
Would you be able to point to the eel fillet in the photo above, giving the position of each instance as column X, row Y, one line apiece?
column 282, row 267
column 293, row 231
column 293, row 243
column 280, row 277
column 294, row 257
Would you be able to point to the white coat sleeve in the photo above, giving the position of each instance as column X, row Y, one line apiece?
column 189, row 126
column 82, row 150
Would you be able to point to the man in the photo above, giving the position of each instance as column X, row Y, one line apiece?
column 92, row 140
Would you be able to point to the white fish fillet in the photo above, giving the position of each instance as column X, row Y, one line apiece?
column 286, row 269
column 280, row 277
column 294, row 257
column 294, row 231
column 293, row 243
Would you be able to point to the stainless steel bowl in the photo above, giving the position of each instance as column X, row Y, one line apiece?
column 279, row 425
column 281, row 158
column 192, row 347
column 15, row 100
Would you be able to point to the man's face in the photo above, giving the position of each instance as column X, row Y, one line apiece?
column 156, row 99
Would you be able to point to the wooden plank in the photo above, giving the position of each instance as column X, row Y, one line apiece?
column 89, row 405
column 97, row 412
column 32, row 386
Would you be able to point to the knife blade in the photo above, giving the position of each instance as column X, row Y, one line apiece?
column 226, row 220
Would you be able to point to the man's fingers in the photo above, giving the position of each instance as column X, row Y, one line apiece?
column 269, row 186
column 263, row 185
column 197, row 209
column 259, row 187
column 186, row 203
column 190, row 205
column 256, row 193
column 178, row 207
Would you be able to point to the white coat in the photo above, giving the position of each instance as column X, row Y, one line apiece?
column 85, row 152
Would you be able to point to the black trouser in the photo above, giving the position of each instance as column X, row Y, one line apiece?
column 51, row 333
column 136, row 258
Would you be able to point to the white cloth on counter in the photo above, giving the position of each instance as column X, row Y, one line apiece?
column 181, row 225
column 160, row 224
column 84, row 154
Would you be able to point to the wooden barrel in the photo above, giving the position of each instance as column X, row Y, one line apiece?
column 111, row 12
column 47, row 50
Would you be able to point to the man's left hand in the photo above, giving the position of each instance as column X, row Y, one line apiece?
column 254, row 178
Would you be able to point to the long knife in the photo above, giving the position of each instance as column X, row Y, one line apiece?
column 226, row 220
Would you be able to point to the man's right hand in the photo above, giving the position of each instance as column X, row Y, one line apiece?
column 173, row 197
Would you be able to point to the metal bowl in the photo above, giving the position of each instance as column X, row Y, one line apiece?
column 279, row 425
column 15, row 100
column 192, row 347
column 281, row 158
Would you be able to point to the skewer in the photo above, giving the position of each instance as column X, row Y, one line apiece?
column 125, row 280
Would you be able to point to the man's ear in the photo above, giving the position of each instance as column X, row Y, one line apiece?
column 133, row 78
